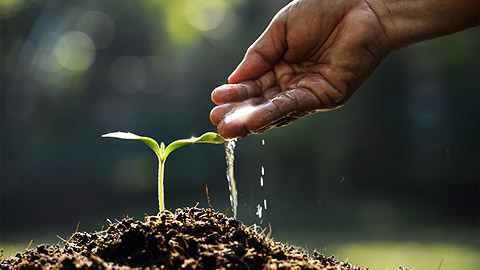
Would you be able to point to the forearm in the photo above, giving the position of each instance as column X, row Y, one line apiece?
column 410, row 21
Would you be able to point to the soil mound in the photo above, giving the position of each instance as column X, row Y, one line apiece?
column 190, row 238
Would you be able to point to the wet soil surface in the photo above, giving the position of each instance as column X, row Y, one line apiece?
column 190, row 238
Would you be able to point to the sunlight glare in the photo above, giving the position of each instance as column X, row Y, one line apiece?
column 239, row 113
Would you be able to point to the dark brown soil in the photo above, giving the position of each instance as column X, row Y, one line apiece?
column 190, row 238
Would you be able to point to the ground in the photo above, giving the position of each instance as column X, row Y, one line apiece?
column 190, row 238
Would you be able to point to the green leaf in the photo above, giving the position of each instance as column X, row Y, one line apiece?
column 130, row 136
column 209, row 137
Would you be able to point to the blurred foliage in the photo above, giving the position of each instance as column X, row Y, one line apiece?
column 399, row 162
column 409, row 255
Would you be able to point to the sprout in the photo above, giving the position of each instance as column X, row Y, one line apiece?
column 162, row 153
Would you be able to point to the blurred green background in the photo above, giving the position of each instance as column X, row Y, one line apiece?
column 391, row 179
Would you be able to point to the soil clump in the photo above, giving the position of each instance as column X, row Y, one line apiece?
column 189, row 238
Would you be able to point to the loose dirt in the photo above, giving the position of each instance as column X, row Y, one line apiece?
column 190, row 238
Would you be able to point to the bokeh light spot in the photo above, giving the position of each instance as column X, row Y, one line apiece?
column 99, row 27
column 75, row 51
column 226, row 27
column 205, row 15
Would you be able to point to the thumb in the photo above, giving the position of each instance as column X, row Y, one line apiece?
column 263, row 54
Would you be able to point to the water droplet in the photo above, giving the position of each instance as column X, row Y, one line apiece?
column 265, row 203
column 259, row 211
column 263, row 171
column 263, row 142
column 261, row 181
column 343, row 178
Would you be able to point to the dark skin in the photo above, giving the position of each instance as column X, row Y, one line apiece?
column 315, row 54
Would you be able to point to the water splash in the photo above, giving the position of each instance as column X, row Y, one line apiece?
column 232, row 186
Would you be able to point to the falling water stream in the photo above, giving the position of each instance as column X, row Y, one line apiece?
column 258, row 213
column 232, row 186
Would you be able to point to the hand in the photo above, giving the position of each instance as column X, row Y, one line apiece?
column 312, row 57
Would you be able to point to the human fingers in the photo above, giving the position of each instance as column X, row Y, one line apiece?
column 239, row 120
column 230, row 118
column 220, row 112
column 289, row 104
column 235, row 92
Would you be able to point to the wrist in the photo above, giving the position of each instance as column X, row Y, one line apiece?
column 406, row 22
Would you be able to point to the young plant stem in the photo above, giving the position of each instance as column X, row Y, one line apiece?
column 161, row 194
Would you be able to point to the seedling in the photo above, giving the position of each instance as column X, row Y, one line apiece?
column 162, row 153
